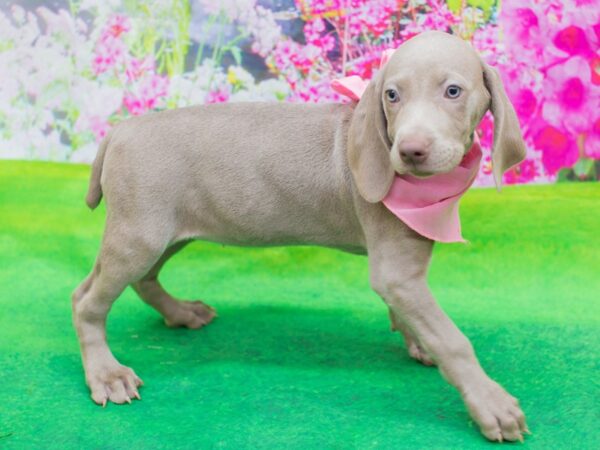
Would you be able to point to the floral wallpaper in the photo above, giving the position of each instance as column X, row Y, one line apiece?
column 69, row 70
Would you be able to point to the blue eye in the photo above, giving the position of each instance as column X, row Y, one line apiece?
column 392, row 95
column 453, row 91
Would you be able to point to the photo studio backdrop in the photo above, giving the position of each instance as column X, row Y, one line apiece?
column 70, row 70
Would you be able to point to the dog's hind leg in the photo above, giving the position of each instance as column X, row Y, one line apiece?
column 415, row 350
column 177, row 313
column 124, row 257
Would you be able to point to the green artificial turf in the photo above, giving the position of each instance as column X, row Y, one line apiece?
column 301, row 355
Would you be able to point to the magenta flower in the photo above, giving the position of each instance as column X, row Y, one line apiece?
column 572, row 41
column 110, row 49
column 315, row 34
column 289, row 55
column 109, row 52
column 523, row 173
column 527, row 24
column 559, row 149
column 438, row 17
column 571, row 99
column 117, row 25
column 320, row 7
column 314, row 92
column 135, row 68
column 366, row 65
column 371, row 16
column 595, row 69
column 485, row 131
column 134, row 105
column 486, row 165
column 146, row 94
column 217, row 96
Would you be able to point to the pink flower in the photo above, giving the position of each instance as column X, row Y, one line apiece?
column 486, row 165
column 572, row 40
column 595, row 69
column 366, row 65
column 109, row 52
column 526, row 22
column 523, row 173
column 135, row 68
column 558, row 149
column 486, row 41
column 525, row 103
column 110, row 49
column 315, row 34
column 319, row 8
column 117, row 25
column 134, row 105
column 288, row 55
column 218, row 96
column 571, row 99
column 146, row 94
column 437, row 17
column 370, row 16
column 485, row 131
column 99, row 127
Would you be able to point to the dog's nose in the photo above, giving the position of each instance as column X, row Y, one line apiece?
column 414, row 151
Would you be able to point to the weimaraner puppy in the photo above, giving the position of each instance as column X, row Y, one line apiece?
column 279, row 174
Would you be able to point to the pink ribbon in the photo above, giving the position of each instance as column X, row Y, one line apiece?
column 427, row 205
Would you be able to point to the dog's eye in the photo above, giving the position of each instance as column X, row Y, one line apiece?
column 392, row 95
column 453, row 91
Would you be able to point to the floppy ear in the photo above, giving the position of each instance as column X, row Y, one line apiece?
column 509, row 148
column 369, row 146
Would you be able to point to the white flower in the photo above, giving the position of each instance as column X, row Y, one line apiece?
column 234, row 9
column 239, row 76
column 261, row 24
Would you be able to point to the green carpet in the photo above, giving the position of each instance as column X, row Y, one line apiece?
column 301, row 355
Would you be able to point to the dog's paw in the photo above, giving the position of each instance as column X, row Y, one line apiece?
column 418, row 354
column 497, row 413
column 191, row 315
column 115, row 383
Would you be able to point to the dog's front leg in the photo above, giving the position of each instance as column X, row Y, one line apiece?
column 398, row 274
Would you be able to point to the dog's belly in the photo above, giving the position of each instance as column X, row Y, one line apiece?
column 267, row 214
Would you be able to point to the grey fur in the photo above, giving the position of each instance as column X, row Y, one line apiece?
column 284, row 174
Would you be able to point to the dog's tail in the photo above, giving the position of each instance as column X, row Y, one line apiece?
column 94, row 194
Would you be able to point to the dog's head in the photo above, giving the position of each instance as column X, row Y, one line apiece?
column 418, row 115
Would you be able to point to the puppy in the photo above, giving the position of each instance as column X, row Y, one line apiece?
column 283, row 174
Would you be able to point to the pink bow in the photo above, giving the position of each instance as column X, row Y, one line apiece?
column 427, row 205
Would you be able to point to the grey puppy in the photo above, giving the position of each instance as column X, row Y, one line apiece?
column 275, row 174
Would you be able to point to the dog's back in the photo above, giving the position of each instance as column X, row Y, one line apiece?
column 265, row 173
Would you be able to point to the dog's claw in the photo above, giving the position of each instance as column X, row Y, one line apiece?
column 128, row 400
column 137, row 395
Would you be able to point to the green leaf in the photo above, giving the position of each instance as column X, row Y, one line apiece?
column 485, row 5
column 237, row 55
column 454, row 5
column 564, row 175
column 584, row 168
